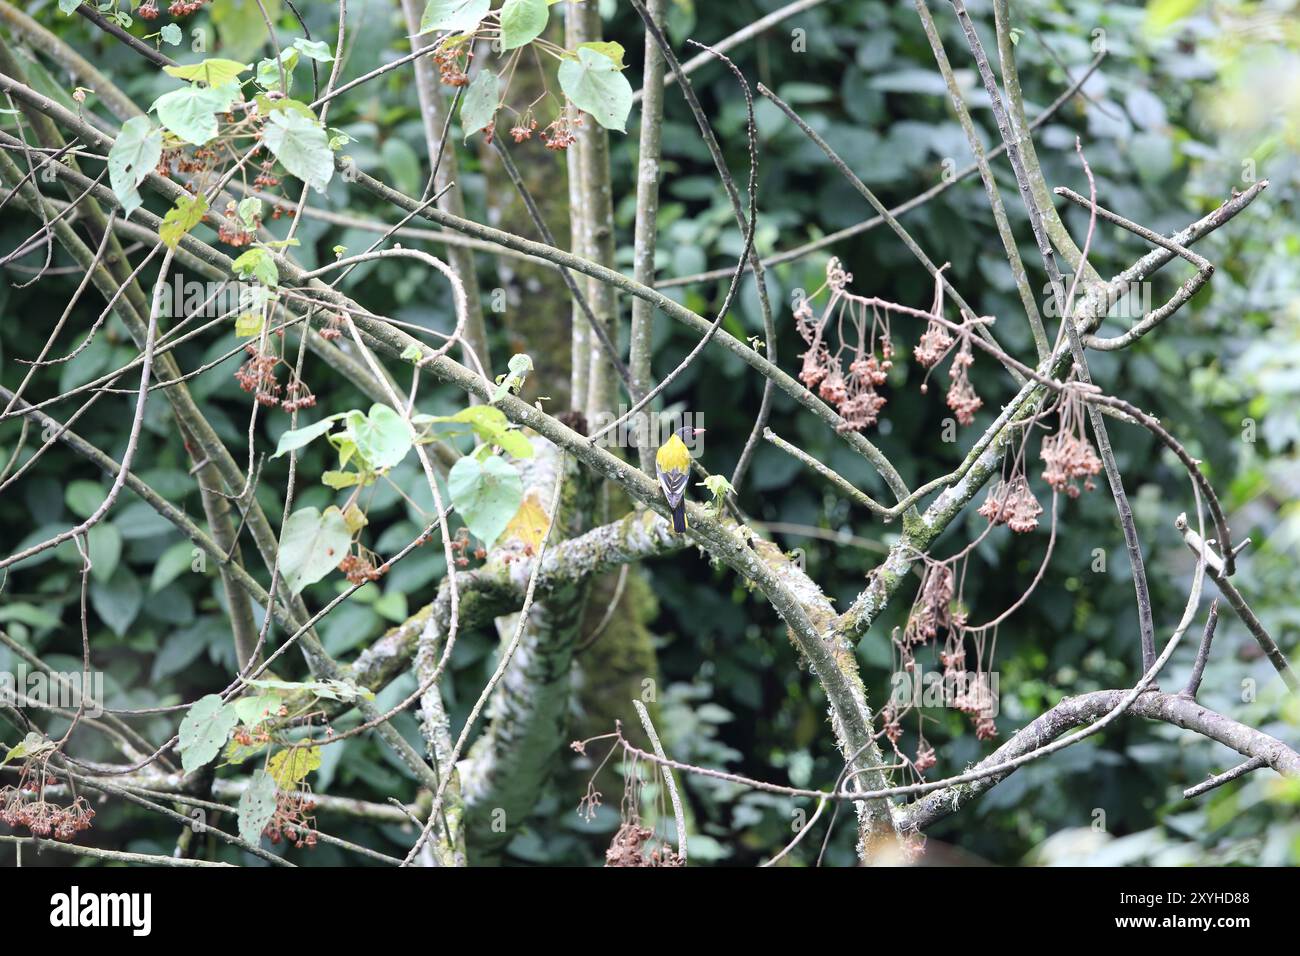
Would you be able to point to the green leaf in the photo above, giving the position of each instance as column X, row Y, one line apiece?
column 68, row 7
column 298, row 437
column 338, row 690
column 339, row 480
column 181, row 218
column 251, row 711
column 412, row 353
column 256, row 807
column 402, row 163
column 491, row 426
column 290, row 767
column 520, row 365
column 104, row 547
column 83, row 497
column 118, row 600
column 270, row 71
column 171, row 34
column 479, row 107
column 522, row 21
column 1163, row 14
column 174, row 562
column 32, row 744
column 204, row 730
column 458, row 15
column 215, row 72
column 249, row 212
column 134, row 154
column 312, row 545
column 607, row 48
column 191, row 112
column 258, row 263
column 594, row 85
column 241, row 31
column 28, row 614
column 486, row 495
column 249, row 324
column 382, row 438
column 301, row 146
column 317, row 50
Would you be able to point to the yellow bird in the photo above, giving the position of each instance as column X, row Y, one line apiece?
column 673, row 464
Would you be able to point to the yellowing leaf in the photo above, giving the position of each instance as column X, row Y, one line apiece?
column 181, row 218
column 212, row 72
column 354, row 518
column 249, row 324
column 530, row 522
column 290, row 767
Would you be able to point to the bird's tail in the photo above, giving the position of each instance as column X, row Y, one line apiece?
column 679, row 517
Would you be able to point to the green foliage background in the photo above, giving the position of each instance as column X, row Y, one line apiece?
column 1186, row 102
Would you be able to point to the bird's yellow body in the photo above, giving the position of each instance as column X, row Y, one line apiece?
column 673, row 464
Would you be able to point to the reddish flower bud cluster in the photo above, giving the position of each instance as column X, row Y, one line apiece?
column 451, row 70
column 231, row 231
column 360, row 569
column 257, row 375
column 560, row 135
column 265, row 179
column 148, row 10
column 20, row 808
column 293, row 821
column 183, row 8
column 855, row 395
column 523, row 129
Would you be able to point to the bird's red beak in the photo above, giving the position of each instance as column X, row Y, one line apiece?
column 699, row 431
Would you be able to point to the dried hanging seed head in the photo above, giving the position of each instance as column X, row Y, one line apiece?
column 1011, row 502
column 932, row 608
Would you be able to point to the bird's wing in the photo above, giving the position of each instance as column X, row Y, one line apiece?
column 673, row 483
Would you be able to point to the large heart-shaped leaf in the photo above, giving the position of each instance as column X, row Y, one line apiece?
column 522, row 21
column 382, row 438
column 302, row 147
column 204, row 730
column 479, row 106
column 595, row 85
column 216, row 72
column 191, row 112
column 458, row 15
column 256, row 806
column 485, row 495
column 135, row 153
column 312, row 545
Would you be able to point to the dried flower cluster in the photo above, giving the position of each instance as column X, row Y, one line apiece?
column 258, row 375
column 933, row 607
column 855, row 396
column 560, row 134
column 1011, row 502
column 25, row 806
column 628, row 848
column 1068, row 454
column 294, row 821
column 452, row 59
column 961, row 393
column 183, row 8
column 976, row 699
column 866, row 337
column 360, row 568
